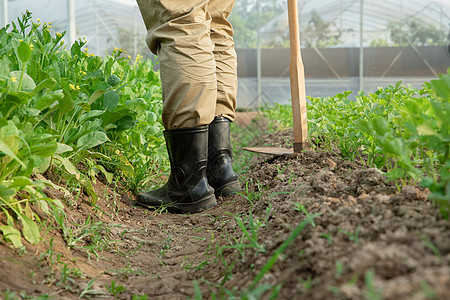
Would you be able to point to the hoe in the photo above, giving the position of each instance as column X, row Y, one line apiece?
column 298, row 95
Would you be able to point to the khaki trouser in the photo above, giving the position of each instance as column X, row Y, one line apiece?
column 194, row 42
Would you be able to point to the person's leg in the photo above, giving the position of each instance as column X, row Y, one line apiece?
column 225, row 57
column 179, row 33
column 220, row 171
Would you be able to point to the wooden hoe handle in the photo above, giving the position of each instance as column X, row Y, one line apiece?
column 297, row 76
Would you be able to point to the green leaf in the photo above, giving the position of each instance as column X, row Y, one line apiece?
column 91, row 140
column 7, row 150
column 62, row 148
column 66, row 104
column 48, row 83
column 75, row 50
column 91, row 114
column 89, row 189
column 139, row 105
column 85, row 106
column 426, row 129
column 41, row 164
column 24, row 52
column 27, row 82
column 20, row 182
column 20, row 98
column 364, row 126
column 70, row 168
column 95, row 96
column 12, row 235
column 110, row 100
column 380, row 126
column 394, row 146
column 30, row 229
column 4, row 66
column 108, row 175
column 47, row 100
column 125, row 123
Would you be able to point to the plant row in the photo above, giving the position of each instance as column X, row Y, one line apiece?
column 400, row 130
column 61, row 108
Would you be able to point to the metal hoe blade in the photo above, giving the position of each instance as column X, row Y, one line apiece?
column 269, row 150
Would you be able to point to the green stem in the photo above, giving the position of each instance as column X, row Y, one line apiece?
column 281, row 249
column 19, row 87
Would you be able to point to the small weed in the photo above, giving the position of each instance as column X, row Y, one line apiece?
column 281, row 249
column 67, row 276
column 10, row 295
column 115, row 289
column 339, row 270
column 352, row 236
column 301, row 208
column 140, row 297
column 431, row 246
column 307, row 284
column 89, row 291
column 428, row 291
column 328, row 237
column 334, row 289
column 371, row 292
column 125, row 272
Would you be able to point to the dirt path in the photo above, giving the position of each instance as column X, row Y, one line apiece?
column 366, row 241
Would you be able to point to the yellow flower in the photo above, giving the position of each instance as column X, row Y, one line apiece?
column 31, row 47
column 39, row 20
column 138, row 58
column 13, row 79
column 73, row 87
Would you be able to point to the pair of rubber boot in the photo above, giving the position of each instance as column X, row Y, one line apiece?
column 201, row 170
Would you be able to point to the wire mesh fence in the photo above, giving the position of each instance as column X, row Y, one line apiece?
column 346, row 44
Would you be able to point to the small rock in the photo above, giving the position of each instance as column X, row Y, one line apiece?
column 382, row 198
column 363, row 196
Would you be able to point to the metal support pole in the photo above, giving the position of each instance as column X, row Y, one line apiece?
column 135, row 33
column 4, row 13
column 258, row 57
column 97, row 41
column 72, row 30
column 361, row 46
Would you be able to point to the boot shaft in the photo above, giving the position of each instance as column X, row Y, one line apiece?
column 187, row 149
column 220, row 172
column 219, row 143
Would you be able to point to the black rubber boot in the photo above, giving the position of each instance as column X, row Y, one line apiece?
column 220, row 170
column 187, row 190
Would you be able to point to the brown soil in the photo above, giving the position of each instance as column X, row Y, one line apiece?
column 367, row 241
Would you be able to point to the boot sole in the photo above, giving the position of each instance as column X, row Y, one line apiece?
column 228, row 189
column 196, row 207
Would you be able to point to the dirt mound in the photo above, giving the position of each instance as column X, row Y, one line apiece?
column 365, row 239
